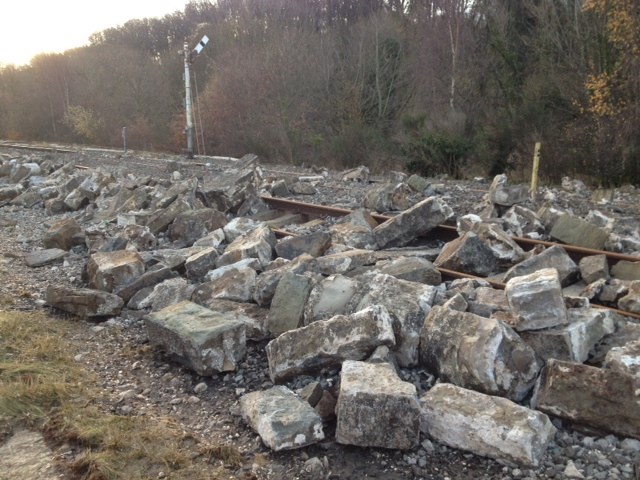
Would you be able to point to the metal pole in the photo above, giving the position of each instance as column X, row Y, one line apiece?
column 187, row 101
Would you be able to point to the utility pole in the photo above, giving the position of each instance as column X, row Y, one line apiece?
column 189, row 57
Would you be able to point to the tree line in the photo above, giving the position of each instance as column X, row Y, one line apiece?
column 461, row 87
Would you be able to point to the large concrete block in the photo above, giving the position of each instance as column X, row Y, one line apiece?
column 594, row 267
column 234, row 282
column 192, row 225
column 287, row 307
column 595, row 398
column 575, row 231
column 375, row 408
column 84, row 302
column 412, row 223
column 313, row 244
column 258, row 244
column 334, row 295
column 624, row 359
column 413, row 269
column 486, row 425
column 283, row 420
column 207, row 342
column 328, row 343
column 468, row 254
column 109, row 271
column 536, row 300
column 343, row 262
column 63, row 234
column 479, row 353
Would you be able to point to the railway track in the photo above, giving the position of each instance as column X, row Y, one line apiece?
column 446, row 233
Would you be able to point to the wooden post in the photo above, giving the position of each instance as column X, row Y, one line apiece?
column 534, row 172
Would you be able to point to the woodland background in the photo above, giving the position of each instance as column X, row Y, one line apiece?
column 462, row 87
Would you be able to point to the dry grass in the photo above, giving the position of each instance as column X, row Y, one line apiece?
column 41, row 386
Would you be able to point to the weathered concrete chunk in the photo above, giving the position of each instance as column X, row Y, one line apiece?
column 160, row 220
column 168, row 292
column 554, row 257
column 353, row 235
column 522, row 222
column 283, row 420
column 375, row 408
column 478, row 353
column 329, row 343
column 110, row 270
column 387, row 197
column 207, row 342
column 631, row 301
column 410, row 224
column 313, row 244
column 140, row 237
column 575, row 231
column 503, row 247
column 199, row 264
column 594, row 267
column 287, row 307
column 38, row 258
column 507, row 195
column 191, row 225
column 153, row 276
column 342, row 262
column 625, row 270
column 486, row 425
column 468, row 254
column 233, row 282
column 84, row 302
column 596, row 398
column 10, row 192
column 408, row 303
column 258, row 243
column 63, row 234
column 302, row 188
column 413, row 269
column 536, row 300
column 417, row 183
column 625, row 359
column 253, row 317
column 571, row 342
column 334, row 295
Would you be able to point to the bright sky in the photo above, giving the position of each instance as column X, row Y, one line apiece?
column 29, row 27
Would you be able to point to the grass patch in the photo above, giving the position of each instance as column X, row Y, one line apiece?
column 43, row 387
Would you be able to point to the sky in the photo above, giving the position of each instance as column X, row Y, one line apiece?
column 30, row 27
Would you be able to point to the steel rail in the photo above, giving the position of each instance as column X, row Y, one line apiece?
column 440, row 231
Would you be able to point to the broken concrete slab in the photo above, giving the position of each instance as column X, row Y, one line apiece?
column 478, row 353
column 109, row 271
column 486, row 425
column 63, row 234
column 84, row 302
column 152, row 277
column 343, row 262
column 160, row 219
column 522, row 222
column 314, row 244
column 39, row 258
column 503, row 247
column 329, row 343
column 590, row 397
column 267, row 281
column 283, row 420
column 554, row 257
column 412, row 223
column 536, row 300
column 572, row 342
column 468, row 254
column 253, row 317
column 408, row 303
column 575, row 231
column 412, row 269
column 355, row 233
column 205, row 341
column 376, row 408
column 287, row 307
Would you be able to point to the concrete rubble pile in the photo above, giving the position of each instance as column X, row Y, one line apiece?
column 343, row 300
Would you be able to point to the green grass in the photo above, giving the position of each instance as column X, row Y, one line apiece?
column 42, row 387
